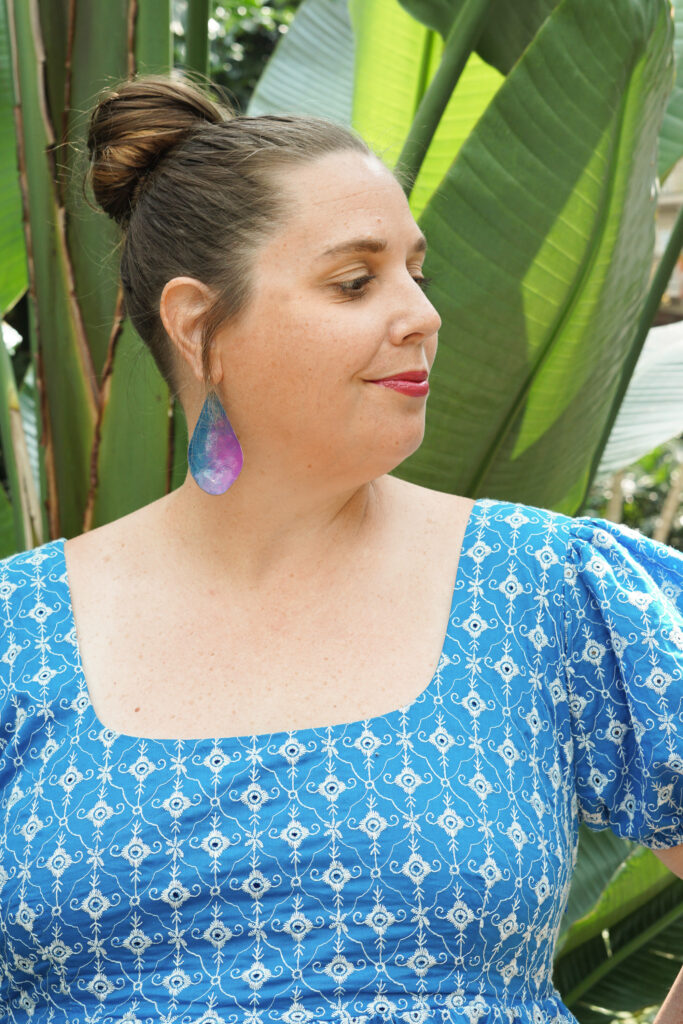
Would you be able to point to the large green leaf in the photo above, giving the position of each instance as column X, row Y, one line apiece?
column 437, row 15
column 541, row 241
column 600, row 854
column 396, row 58
column 632, row 963
column 311, row 71
column 132, row 449
column 373, row 77
column 13, row 278
column 8, row 543
column 153, row 43
column 510, row 26
column 633, row 882
column 29, row 418
column 179, row 441
column 197, row 39
column 671, row 134
column 510, row 29
column 56, row 19
column 476, row 88
column 65, row 53
column 99, row 57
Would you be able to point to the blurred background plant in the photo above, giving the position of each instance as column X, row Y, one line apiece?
column 241, row 38
column 647, row 495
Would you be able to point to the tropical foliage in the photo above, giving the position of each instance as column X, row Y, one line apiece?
column 530, row 135
column 646, row 495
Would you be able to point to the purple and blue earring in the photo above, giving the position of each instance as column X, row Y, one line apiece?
column 214, row 454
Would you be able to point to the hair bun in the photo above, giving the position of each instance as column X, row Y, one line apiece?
column 132, row 127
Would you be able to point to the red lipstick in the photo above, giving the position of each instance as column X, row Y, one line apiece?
column 410, row 382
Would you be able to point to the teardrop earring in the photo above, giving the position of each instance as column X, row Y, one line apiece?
column 214, row 454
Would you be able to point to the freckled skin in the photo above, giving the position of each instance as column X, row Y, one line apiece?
column 295, row 383
column 315, row 545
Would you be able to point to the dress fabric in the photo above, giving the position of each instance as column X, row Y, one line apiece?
column 411, row 867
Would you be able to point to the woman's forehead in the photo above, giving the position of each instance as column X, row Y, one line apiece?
column 347, row 179
column 344, row 197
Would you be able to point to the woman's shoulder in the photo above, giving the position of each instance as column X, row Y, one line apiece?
column 35, row 617
column 498, row 514
column 569, row 545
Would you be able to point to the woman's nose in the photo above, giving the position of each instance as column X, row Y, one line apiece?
column 419, row 315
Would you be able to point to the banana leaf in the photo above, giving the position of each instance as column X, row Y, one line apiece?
column 153, row 45
column 8, row 544
column 631, row 964
column 311, row 70
column 97, row 56
column 600, row 855
column 29, row 419
column 197, row 54
column 59, row 348
column 541, row 237
column 395, row 61
column 636, row 879
column 134, row 435
column 509, row 28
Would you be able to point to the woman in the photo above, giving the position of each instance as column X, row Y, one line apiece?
column 301, row 741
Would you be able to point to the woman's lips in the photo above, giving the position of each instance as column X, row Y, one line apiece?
column 416, row 389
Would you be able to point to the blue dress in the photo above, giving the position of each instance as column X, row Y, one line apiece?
column 412, row 867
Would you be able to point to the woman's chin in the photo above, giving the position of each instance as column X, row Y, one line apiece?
column 402, row 449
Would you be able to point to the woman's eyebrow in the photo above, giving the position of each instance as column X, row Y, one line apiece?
column 368, row 245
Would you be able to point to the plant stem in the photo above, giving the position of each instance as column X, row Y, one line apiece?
column 423, row 77
column 153, row 53
column 460, row 42
column 197, row 54
column 660, row 280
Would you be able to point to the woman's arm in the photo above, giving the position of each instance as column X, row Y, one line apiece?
column 671, row 1010
column 673, row 858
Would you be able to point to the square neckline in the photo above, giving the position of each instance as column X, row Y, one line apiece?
column 278, row 737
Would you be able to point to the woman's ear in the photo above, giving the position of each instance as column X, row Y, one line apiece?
column 183, row 304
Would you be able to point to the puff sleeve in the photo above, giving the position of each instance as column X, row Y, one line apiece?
column 623, row 609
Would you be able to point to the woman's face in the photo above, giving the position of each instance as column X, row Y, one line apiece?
column 336, row 303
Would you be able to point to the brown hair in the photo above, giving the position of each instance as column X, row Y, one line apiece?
column 194, row 186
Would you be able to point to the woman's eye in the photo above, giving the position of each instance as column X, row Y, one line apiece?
column 357, row 286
